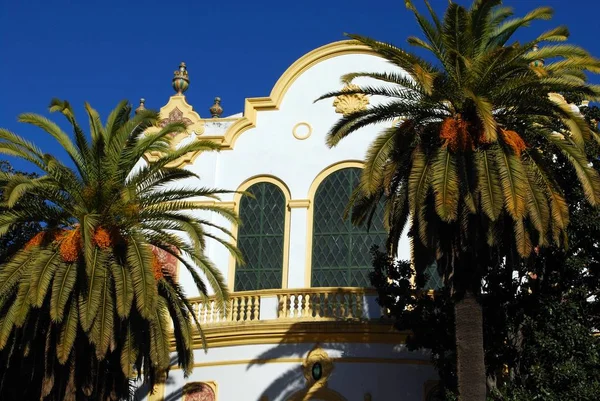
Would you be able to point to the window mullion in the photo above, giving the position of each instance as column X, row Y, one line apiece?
column 259, row 268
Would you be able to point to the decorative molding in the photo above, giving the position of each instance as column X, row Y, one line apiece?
column 358, row 360
column 317, row 368
column 212, row 203
column 299, row 203
column 350, row 103
column 302, row 136
column 178, row 109
column 281, row 331
column 175, row 116
column 272, row 102
column 228, row 205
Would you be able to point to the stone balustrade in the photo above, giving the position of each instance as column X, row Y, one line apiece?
column 308, row 304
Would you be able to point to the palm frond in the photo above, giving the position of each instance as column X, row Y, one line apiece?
column 445, row 184
column 418, row 180
column 123, row 288
column 140, row 261
column 102, row 327
column 62, row 286
column 68, row 334
column 513, row 182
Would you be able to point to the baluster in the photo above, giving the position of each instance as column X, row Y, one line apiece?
column 281, row 299
column 296, row 302
column 243, row 309
column 205, row 311
column 230, row 311
column 236, row 309
column 349, row 313
column 308, row 306
column 195, row 309
column 299, row 306
column 200, row 311
column 300, row 309
column 316, row 305
column 255, row 307
column 326, row 305
column 289, row 305
column 359, row 306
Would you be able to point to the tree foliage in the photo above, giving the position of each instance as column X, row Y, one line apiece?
column 539, row 315
column 469, row 165
column 85, row 305
column 15, row 238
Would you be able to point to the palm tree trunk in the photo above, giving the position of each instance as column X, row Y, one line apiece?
column 470, row 363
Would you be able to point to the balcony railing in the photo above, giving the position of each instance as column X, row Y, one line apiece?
column 308, row 304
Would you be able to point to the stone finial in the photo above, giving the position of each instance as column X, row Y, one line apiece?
column 536, row 63
column 141, row 107
column 216, row 110
column 181, row 80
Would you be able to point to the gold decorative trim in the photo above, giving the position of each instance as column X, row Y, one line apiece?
column 177, row 104
column 286, row 227
column 350, row 103
column 310, row 215
column 291, row 331
column 390, row 361
column 302, row 136
column 320, row 356
column 299, row 203
column 210, row 203
column 273, row 101
column 228, row 205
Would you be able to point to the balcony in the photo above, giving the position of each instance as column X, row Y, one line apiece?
column 295, row 315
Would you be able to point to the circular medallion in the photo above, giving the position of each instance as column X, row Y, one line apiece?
column 302, row 131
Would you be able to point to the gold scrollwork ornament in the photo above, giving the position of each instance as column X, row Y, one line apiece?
column 317, row 368
column 350, row 103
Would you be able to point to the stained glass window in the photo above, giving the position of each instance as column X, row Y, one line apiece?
column 341, row 252
column 260, row 238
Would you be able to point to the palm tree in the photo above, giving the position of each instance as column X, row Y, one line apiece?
column 469, row 163
column 84, row 303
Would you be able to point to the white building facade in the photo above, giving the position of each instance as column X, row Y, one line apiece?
column 303, row 324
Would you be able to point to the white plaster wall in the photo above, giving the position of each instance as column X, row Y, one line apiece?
column 256, row 372
column 270, row 148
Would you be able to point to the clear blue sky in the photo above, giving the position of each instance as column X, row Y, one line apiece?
column 105, row 51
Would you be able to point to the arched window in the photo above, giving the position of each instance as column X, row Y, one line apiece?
column 341, row 252
column 260, row 238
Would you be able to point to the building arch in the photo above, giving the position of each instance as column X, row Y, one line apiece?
column 272, row 102
column 239, row 199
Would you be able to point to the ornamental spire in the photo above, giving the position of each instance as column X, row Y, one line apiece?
column 539, row 62
column 181, row 80
column 141, row 107
column 216, row 110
